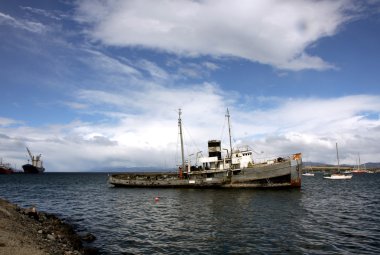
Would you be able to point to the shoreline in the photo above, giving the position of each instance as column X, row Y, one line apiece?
column 28, row 231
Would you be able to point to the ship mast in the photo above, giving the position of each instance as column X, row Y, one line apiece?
column 337, row 156
column 180, row 134
column 229, row 131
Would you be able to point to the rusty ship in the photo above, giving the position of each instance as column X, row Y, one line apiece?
column 5, row 168
column 235, row 169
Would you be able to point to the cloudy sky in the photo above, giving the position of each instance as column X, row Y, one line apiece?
column 94, row 84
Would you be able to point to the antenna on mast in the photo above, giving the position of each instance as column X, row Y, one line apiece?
column 337, row 156
column 229, row 131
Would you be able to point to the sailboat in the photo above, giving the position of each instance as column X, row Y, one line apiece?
column 308, row 173
column 338, row 175
column 358, row 170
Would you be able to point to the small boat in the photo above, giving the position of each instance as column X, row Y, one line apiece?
column 310, row 173
column 235, row 169
column 338, row 175
column 359, row 170
column 37, row 165
column 5, row 168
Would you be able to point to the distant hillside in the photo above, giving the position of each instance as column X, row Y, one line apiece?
column 367, row 165
column 372, row 165
column 305, row 163
column 131, row 169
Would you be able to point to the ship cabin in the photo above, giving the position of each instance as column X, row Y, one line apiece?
column 241, row 158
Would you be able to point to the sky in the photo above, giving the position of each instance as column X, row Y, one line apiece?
column 95, row 85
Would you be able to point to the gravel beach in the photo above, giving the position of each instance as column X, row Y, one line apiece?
column 27, row 231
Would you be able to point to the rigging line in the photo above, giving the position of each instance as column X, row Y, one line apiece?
column 234, row 141
column 176, row 150
column 191, row 139
column 222, row 134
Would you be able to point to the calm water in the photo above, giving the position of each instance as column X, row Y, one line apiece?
column 324, row 217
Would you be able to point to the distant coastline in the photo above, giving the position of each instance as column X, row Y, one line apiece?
column 322, row 167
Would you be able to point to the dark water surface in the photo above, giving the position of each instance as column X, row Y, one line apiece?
column 323, row 217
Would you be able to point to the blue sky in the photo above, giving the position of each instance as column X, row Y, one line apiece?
column 96, row 84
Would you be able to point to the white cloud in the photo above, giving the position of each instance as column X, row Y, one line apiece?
column 183, row 70
column 138, row 119
column 8, row 122
column 153, row 69
column 314, row 125
column 31, row 26
column 75, row 105
column 142, row 128
column 272, row 32
column 211, row 66
column 108, row 64
column 52, row 14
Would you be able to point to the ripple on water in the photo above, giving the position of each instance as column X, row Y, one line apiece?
column 324, row 217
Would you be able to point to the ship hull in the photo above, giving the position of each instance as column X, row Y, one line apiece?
column 281, row 174
column 359, row 171
column 6, row 171
column 30, row 169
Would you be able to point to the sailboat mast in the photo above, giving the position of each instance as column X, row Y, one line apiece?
column 229, row 130
column 180, row 134
column 337, row 155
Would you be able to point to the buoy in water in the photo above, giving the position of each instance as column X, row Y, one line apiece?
column 156, row 199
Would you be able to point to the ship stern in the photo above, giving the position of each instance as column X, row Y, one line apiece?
column 296, row 170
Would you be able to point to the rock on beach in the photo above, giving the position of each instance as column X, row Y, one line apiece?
column 29, row 232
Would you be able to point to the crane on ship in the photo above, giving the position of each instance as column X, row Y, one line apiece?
column 30, row 154
column 34, row 159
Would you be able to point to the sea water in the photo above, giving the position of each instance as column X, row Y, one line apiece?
column 323, row 217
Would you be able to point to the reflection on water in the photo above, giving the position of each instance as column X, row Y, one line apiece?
column 324, row 217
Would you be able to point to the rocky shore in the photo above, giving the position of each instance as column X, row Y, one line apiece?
column 27, row 231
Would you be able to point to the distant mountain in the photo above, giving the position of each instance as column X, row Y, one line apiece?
column 131, row 169
column 372, row 165
column 306, row 163
column 367, row 165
